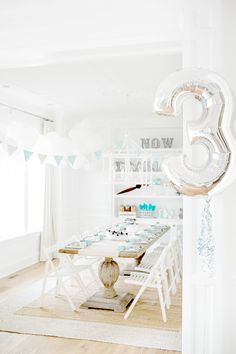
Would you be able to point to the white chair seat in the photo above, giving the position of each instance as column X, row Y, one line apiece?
column 137, row 278
column 148, row 261
column 67, row 271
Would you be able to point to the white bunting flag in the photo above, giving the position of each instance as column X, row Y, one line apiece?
column 42, row 158
column 10, row 149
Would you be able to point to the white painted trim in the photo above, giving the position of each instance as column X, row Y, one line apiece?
column 18, row 265
column 93, row 50
column 22, row 252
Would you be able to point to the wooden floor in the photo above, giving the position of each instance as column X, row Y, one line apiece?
column 12, row 343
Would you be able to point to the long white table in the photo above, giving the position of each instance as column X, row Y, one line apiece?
column 107, row 297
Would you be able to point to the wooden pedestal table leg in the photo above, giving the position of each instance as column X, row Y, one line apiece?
column 109, row 272
column 108, row 298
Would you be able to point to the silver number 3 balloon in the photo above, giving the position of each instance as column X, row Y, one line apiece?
column 212, row 130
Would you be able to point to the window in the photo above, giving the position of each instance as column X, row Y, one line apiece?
column 21, row 195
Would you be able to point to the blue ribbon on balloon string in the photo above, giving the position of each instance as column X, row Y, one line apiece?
column 205, row 241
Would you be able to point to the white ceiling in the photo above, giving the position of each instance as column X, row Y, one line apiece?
column 118, row 85
column 34, row 32
column 90, row 57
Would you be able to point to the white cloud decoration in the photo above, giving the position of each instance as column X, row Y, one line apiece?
column 85, row 139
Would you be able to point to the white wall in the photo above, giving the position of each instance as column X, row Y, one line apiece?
column 86, row 199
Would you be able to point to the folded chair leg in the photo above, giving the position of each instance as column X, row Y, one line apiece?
column 172, row 280
column 58, row 287
column 177, row 271
column 166, row 292
column 94, row 275
column 162, row 304
column 81, row 285
column 137, row 297
column 73, row 308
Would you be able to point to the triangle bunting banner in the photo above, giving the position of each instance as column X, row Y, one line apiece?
column 72, row 159
column 27, row 155
column 42, row 158
column 10, row 149
column 98, row 154
column 58, row 159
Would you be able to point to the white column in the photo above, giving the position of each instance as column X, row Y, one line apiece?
column 202, row 304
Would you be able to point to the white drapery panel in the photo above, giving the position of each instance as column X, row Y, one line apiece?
column 21, row 182
column 48, row 235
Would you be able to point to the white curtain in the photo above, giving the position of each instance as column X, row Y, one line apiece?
column 48, row 236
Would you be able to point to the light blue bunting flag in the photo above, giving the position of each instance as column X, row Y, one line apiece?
column 72, row 159
column 27, row 155
column 58, row 159
column 98, row 154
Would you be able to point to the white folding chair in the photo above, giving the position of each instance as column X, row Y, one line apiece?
column 172, row 265
column 156, row 279
column 180, row 249
column 174, row 259
column 61, row 272
column 82, row 262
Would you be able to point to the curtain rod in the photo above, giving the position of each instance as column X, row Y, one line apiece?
column 26, row 112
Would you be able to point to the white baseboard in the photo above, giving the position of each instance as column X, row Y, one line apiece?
column 18, row 265
column 18, row 253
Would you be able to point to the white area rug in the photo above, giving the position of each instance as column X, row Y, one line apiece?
column 140, row 337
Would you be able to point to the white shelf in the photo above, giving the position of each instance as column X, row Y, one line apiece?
column 161, row 221
column 164, row 150
column 161, row 173
column 154, row 220
column 144, row 153
column 149, row 194
column 124, row 196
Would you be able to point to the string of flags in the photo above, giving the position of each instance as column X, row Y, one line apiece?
column 69, row 159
